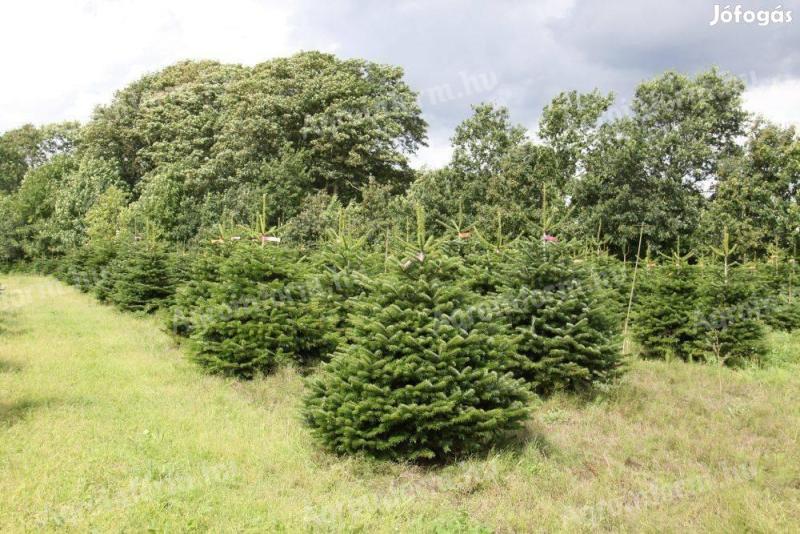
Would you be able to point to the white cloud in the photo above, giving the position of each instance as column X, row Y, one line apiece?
column 777, row 101
column 437, row 154
column 62, row 58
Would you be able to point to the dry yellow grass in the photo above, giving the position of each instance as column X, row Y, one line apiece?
column 104, row 425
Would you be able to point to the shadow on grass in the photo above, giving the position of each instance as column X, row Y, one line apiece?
column 513, row 444
column 529, row 436
column 8, row 326
column 7, row 366
column 16, row 411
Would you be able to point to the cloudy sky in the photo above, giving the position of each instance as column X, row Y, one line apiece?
column 63, row 57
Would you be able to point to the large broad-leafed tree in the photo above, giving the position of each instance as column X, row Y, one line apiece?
column 756, row 196
column 217, row 137
column 481, row 143
column 354, row 120
column 652, row 167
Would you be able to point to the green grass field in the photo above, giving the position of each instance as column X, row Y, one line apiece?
column 105, row 426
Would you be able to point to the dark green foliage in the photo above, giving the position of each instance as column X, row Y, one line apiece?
column 259, row 315
column 101, row 267
column 781, row 309
column 201, row 277
column 615, row 276
column 480, row 144
column 28, row 147
column 140, row 277
column 10, row 248
column 317, row 217
column 355, row 120
column 755, row 193
column 180, row 263
column 485, row 263
column 783, row 313
column 343, row 270
column 731, row 330
column 104, row 285
column 74, row 269
column 88, row 268
column 667, row 304
column 646, row 167
column 486, row 269
column 420, row 379
column 378, row 214
column 564, row 317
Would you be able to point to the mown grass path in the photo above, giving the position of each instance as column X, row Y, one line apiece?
column 104, row 425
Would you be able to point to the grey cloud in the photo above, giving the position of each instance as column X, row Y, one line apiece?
column 533, row 50
column 456, row 53
column 649, row 37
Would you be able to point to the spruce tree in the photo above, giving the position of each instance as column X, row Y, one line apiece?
column 667, row 303
column 565, row 319
column 731, row 332
column 420, row 378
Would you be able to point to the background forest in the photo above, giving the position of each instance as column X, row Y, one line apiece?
column 200, row 144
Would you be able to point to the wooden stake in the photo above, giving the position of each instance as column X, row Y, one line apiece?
column 386, row 253
column 599, row 229
column 791, row 274
column 633, row 286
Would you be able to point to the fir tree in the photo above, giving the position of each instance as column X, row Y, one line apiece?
column 102, row 267
column 141, row 278
column 666, row 307
column 567, row 327
column 783, row 313
column 74, row 269
column 420, row 379
column 103, row 242
column 780, row 295
column 258, row 315
column 731, row 332
column 87, row 266
column 485, row 256
column 203, row 267
column 180, row 262
column 486, row 268
column 614, row 275
column 343, row 269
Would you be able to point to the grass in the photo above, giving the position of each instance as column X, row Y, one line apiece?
column 104, row 425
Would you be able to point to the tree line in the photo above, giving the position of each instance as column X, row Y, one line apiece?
column 200, row 144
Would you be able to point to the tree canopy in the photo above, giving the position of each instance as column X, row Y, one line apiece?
column 201, row 143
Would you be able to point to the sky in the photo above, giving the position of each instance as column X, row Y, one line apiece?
column 61, row 58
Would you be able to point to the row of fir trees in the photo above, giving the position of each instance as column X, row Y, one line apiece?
column 429, row 347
